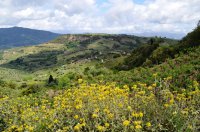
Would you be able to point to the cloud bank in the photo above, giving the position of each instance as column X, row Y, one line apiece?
column 164, row 17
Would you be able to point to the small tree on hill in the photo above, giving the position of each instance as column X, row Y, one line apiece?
column 198, row 24
column 151, row 41
column 50, row 79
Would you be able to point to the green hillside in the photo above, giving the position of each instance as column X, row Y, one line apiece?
column 155, row 53
column 102, row 82
column 73, row 49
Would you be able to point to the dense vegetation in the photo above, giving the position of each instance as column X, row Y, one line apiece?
column 77, row 83
column 155, row 53
column 33, row 62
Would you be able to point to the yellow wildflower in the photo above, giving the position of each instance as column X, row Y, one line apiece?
column 138, row 127
column 80, row 81
column 126, row 122
column 76, row 117
column 100, row 128
column 137, row 122
column 94, row 116
column 154, row 85
column 155, row 74
column 77, row 127
column 110, row 115
column 148, row 124
column 107, row 124
column 30, row 128
column 129, row 108
column 141, row 114
column 166, row 105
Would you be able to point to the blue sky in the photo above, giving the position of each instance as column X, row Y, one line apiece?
column 139, row 1
column 171, row 18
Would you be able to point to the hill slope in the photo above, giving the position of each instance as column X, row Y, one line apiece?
column 91, row 97
column 75, row 48
column 155, row 53
column 17, row 36
column 72, row 89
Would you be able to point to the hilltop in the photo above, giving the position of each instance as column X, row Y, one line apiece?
column 18, row 36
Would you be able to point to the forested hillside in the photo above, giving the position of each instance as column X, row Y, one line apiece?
column 155, row 53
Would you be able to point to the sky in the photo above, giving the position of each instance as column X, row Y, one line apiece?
column 170, row 18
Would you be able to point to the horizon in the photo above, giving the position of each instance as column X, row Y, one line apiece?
column 133, row 17
column 139, row 35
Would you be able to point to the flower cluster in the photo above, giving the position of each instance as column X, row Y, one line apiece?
column 103, row 107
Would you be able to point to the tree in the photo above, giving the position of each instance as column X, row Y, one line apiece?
column 151, row 41
column 50, row 79
column 198, row 25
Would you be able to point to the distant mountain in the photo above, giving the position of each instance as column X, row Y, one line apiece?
column 162, row 34
column 18, row 36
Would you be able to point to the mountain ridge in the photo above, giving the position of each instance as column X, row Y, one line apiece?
column 20, row 36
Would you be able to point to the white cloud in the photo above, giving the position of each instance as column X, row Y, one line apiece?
column 71, row 7
column 111, row 16
column 178, row 16
column 31, row 14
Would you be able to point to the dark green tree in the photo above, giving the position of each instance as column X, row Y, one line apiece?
column 198, row 24
column 51, row 80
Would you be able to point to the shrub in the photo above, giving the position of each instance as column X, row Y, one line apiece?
column 32, row 89
column 2, row 83
column 138, row 57
column 2, row 123
column 116, row 55
column 11, row 85
column 24, row 85
column 161, row 54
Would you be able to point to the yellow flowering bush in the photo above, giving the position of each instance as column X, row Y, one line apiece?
column 103, row 107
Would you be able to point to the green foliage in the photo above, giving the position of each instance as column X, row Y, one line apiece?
column 191, row 39
column 184, row 69
column 2, row 83
column 24, row 85
column 11, row 85
column 160, row 55
column 68, row 80
column 72, row 44
column 116, row 55
column 32, row 89
column 2, row 123
column 138, row 56
column 64, row 82
column 34, row 62
column 149, row 55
